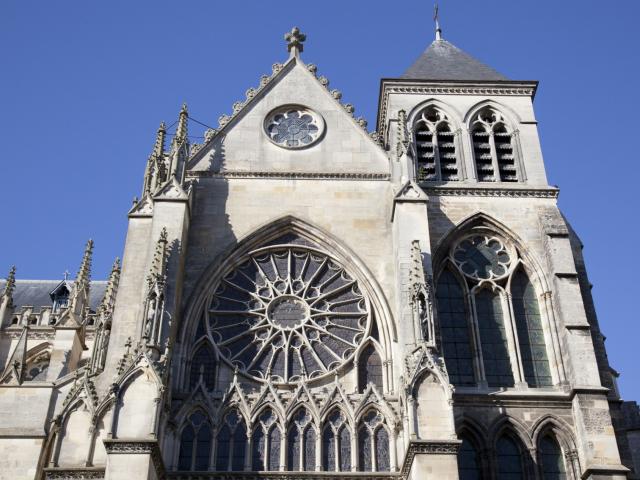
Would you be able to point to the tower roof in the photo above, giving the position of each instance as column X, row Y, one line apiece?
column 444, row 61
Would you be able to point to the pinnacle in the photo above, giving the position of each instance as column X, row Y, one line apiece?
column 295, row 39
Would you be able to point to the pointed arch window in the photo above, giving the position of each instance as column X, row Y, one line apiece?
column 266, row 442
column 336, row 443
column 454, row 329
column 530, row 332
column 231, row 443
column 436, row 149
column 373, row 443
column 468, row 461
column 493, row 147
column 497, row 336
column 301, row 443
column 195, row 444
column 369, row 369
column 203, row 365
column 551, row 459
column 509, row 459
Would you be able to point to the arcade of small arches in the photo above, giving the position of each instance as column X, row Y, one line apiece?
column 438, row 146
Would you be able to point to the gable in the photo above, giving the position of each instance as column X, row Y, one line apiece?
column 242, row 145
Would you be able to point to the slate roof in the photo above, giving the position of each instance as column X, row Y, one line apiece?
column 444, row 61
column 35, row 293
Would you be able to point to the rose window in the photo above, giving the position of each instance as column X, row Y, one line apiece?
column 286, row 313
column 482, row 257
column 293, row 127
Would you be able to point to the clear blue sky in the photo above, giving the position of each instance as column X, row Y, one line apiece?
column 84, row 86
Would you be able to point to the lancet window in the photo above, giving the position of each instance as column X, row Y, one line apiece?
column 435, row 146
column 266, row 440
column 301, row 448
column 373, row 443
column 195, row 444
column 491, row 328
column 231, row 443
column 493, row 147
column 468, row 461
column 203, row 366
column 509, row 459
column 336, row 443
column 551, row 459
column 369, row 369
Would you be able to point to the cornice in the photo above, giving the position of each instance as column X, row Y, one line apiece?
column 515, row 192
column 81, row 473
column 292, row 175
column 283, row 476
column 137, row 447
column 417, row 447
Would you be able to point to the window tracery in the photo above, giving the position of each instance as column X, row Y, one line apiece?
column 286, row 313
column 294, row 126
column 301, row 446
column 436, row 151
column 266, row 441
column 373, row 443
column 369, row 369
column 494, row 305
column 195, row 444
column 203, row 366
column 493, row 147
column 336, row 443
column 231, row 443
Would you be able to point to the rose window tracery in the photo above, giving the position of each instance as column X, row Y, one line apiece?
column 288, row 312
column 293, row 127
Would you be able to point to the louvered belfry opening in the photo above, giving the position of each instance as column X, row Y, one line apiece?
column 435, row 147
column 493, row 148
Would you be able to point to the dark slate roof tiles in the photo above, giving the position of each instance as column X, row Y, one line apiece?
column 444, row 61
column 35, row 293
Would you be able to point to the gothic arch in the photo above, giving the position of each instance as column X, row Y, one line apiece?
column 560, row 429
column 358, row 356
column 453, row 113
column 510, row 425
column 261, row 236
column 512, row 117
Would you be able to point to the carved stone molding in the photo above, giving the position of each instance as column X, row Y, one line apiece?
column 73, row 473
column 292, row 175
column 137, row 447
column 417, row 447
column 493, row 192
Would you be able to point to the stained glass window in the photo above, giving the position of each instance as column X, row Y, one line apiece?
column 552, row 462
column 231, row 443
column 382, row 450
column 373, row 443
column 223, row 449
column 203, row 363
column 530, row 332
column 344, row 449
column 293, row 127
column 482, row 257
column 509, row 459
column 493, row 337
column 328, row 450
column 369, row 369
column 239, row 447
column 195, row 444
column 336, row 444
column 454, row 329
column 468, row 461
column 365, row 444
column 294, row 448
column 309, row 449
column 274, row 449
column 258, row 452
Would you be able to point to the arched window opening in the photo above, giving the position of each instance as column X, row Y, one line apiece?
column 373, row 444
column 301, row 446
column 509, row 458
column 530, row 332
column 266, row 443
column 551, row 459
column 195, row 444
column 454, row 329
column 495, row 351
column 203, row 364
column 493, row 147
column 468, row 461
column 231, row 443
column 435, row 147
column 336, row 444
column 369, row 369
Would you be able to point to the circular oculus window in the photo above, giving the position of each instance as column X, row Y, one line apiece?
column 294, row 126
column 483, row 257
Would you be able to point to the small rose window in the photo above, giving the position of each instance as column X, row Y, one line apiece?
column 483, row 257
column 293, row 126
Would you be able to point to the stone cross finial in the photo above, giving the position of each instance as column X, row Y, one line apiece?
column 295, row 39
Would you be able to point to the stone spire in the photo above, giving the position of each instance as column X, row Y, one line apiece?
column 295, row 39
column 159, row 262
column 109, row 298
column 421, row 296
column 179, row 146
column 181, row 129
column 80, row 294
column 155, row 171
column 9, row 287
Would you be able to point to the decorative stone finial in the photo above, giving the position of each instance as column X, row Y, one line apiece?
column 436, row 19
column 112, row 287
column 84, row 272
column 181, row 130
column 10, row 285
column 295, row 39
column 158, row 148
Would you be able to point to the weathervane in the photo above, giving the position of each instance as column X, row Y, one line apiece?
column 436, row 19
column 294, row 39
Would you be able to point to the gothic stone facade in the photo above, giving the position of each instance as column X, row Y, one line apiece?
column 300, row 298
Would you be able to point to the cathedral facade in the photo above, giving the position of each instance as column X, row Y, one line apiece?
column 302, row 298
